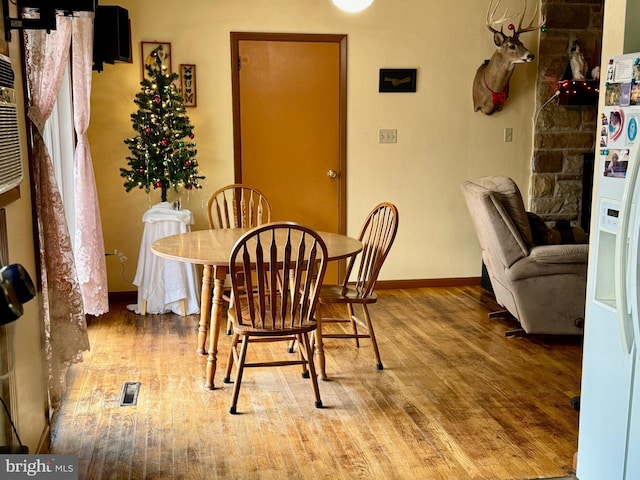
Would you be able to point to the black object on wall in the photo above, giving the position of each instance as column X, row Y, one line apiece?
column 45, row 10
column 64, row 5
column 112, row 36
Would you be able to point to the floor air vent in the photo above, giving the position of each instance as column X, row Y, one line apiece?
column 130, row 392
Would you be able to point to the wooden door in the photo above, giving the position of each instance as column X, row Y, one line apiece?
column 289, row 124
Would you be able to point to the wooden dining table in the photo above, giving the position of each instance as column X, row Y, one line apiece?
column 211, row 249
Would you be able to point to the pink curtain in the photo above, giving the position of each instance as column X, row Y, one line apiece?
column 64, row 322
column 89, row 243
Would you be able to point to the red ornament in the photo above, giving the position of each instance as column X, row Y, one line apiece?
column 157, row 99
column 510, row 26
column 147, row 130
column 164, row 142
column 189, row 187
column 158, row 184
column 191, row 136
column 188, row 163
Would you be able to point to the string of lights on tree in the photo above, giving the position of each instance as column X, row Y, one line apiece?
column 163, row 151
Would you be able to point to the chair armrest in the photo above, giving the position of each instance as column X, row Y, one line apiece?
column 547, row 260
column 568, row 253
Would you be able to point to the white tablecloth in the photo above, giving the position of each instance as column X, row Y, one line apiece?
column 161, row 282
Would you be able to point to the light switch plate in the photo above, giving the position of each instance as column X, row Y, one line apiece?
column 388, row 135
column 508, row 134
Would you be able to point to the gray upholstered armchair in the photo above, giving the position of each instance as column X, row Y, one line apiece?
column 542, row 286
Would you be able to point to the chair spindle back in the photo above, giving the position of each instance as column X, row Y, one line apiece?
column 238, row 206
column 274, row 254
column 377, row 236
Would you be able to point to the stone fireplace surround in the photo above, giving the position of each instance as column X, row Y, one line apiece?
column 564, row 136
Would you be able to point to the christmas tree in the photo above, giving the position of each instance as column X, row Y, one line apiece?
column 163, row 151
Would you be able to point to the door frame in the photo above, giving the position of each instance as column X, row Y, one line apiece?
column 341, row 40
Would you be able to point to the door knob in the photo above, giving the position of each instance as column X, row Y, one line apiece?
column 332, row 174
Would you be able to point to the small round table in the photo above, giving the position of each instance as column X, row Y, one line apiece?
column 211, row 248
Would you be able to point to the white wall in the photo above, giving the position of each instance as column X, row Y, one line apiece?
column 441, row 140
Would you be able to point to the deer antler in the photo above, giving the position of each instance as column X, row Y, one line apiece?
column 531, row 27
column 491, row 14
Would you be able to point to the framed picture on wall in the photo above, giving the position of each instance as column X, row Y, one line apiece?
column 188, row 84
column 397, row 80
column 153, row 50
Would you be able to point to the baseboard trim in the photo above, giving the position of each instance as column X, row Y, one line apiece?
column 428, row 282
column 123, row 297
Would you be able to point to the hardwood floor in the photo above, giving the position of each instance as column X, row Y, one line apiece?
column 456, row 400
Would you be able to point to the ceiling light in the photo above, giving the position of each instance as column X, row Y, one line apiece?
column 352, row 6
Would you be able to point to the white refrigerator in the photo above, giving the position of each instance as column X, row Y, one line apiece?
column 609, row 430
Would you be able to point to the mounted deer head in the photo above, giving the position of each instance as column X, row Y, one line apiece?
column 491, row 83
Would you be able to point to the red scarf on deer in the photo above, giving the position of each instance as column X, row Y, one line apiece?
column 498, row 98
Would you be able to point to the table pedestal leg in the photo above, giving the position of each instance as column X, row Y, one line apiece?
column 219, row 276
column 319, row 351
column 205, row 309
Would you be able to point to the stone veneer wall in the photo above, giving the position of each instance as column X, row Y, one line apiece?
column 563, row 134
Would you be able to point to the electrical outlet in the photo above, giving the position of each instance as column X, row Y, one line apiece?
column 508, row 135
column 387, row 135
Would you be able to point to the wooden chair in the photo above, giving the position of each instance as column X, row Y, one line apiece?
column 377, row 235
column 279, row 253
column 237, row 206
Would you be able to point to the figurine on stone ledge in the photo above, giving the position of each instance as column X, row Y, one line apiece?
column 577, row 68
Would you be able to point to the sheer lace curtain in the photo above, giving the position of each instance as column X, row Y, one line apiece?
column 89, row 244
column 64, row 323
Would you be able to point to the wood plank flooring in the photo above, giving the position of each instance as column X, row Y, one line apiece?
column 456, row 400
